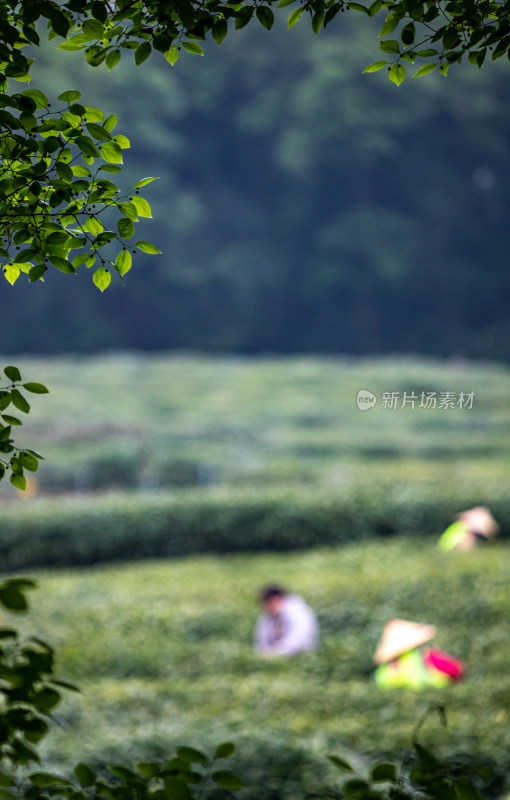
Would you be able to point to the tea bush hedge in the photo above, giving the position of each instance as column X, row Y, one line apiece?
column 91, row 529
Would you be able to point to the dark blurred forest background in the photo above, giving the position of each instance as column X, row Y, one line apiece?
column 302, row 206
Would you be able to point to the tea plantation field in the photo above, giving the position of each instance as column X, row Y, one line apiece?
column 162, row 652
column 161, row 422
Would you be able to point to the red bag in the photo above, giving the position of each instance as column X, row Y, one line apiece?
column 444, row 663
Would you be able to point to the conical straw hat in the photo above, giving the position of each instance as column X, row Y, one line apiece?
column 480, row 520
column 399, row 636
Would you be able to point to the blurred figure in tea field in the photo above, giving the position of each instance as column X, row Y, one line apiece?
column 287, row 624
column 403, row 663
column 470, row 528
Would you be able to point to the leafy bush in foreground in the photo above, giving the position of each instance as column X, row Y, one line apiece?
column 94, row 529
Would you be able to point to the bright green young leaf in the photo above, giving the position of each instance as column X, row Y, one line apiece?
column 142, row 206
column 12, row 273
column 147, row 247
column 390, row 24
column 389, row 46
column 397, row 73
column 102, row 278
column 122, row 141
column 293, row 17
column 144, row 182
column 171, row 55
column 123, row 261
column 70, row 96
column 111, row 152
column 377, row 65
column 425, row 70
column 129, row 210
column 38, row 97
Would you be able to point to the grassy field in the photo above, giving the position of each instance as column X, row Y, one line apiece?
column 162, row 651
column 160, row 422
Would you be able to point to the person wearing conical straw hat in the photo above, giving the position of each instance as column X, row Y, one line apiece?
column 402, row 663
column 471, row 526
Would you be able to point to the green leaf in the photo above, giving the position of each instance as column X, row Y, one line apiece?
column 111, row 152
column 11, row 420
column 12, row 373
column 358, row 7
column 177, row 789
column 384, row 771
column 122, row 141
column 129, row 211
column 113, row 58
column 123, row 262
column 11, row 273
column 85, row 775
column 142, row 206
column 62, row 264
column 424, row 70
column 20, row 482
column 38, row 97
column 390, row 24
column 227, row 779
column 397, row 73
column 340, row 763
column 98, row 131
column 146, row 247
column 110, row 123
column 377, row 65
column 36, row 388
column 265, row 16
column 70, row 96
column 225, row 750
column 293, row 17
column 19, row 401
column 142, row 52
column 171, row 55
column 125, row 228
column 191, row 755
column 87, row 146
column 193, row 47
column 219, row 30
column 10, row 596
column 144, row 182
column 102, row 278
column 390, row 46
